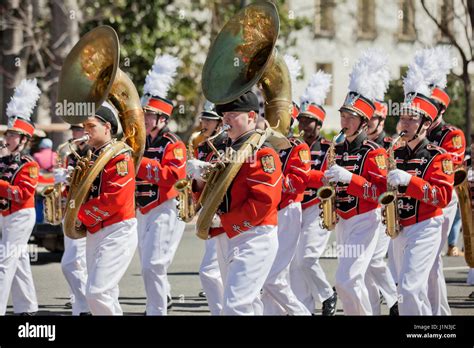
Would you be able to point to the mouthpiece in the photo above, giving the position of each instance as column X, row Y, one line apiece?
column 81, row 139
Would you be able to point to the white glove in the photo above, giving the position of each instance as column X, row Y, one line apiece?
column 194, row 168
column 216, row 221
column 398, row 177
column 62, row 175
column 338, row 174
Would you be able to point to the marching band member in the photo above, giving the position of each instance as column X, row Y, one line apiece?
column 18, row 180
column 248, row 213
column 453, row 141
column 424, row 177
column 379, row 278
column 73, row 261
column 295, row 166
column 109, row 216
column 360, row 176
column 307, row 276
column 212, row 268
column 163, row 164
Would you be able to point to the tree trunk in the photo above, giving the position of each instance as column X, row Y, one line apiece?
column 14, row 54
column 468, row 111
column 65, row 17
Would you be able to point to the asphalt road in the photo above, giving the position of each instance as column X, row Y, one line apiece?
column 53, row 293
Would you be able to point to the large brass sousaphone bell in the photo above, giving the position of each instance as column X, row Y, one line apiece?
column 89, row 76
column 242, row 55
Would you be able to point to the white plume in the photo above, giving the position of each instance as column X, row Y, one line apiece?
column 24, row 99
column 161, row 76
column 294, row 67
column 317, row 89
column 429, row 67
column 415, row 81
column 370, row 75
column 445, row 64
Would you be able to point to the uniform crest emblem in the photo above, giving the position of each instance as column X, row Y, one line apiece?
column 447, row 167
column 457, row 142
column 122, row 168
column 304, row 156
column 268, row 164
column 381, row 162
column 409, row 99
column 178, row 153
column 33, row 172
column 351, row 99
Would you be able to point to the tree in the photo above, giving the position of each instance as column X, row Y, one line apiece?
column 185, row 32
column 464, row 45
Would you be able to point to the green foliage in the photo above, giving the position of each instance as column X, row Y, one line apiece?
column 148, row 27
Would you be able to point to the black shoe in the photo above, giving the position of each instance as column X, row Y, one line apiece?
column 471, row 295
column 68, row 305
column 27, row 314
column 202, row 294
column 394, row 310
column 170, row 303
column 329, row 306
column 85, row 314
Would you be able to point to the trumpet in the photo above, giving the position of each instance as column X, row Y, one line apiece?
column 327, row 193
column 389, row 199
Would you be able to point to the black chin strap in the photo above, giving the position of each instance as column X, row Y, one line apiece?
column 19, row 144
column 376, row 127
column 359, row 129
column 417, row 134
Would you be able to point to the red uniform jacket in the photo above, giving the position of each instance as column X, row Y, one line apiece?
column 253, row 197
column 111, row 197
column 451, row 139
column 296, row 167
column 163, row 164
column 318, row 150
column 431, row 186
column 368, row 163
column 18, row 180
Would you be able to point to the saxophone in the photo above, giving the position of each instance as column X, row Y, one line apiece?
column 327, row 193
column 53, row 199
column 186, row 206
column 389, row 199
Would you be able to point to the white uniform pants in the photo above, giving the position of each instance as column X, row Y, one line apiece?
column 159, row 234
column 356, row 242
column 74, row 267
column 415, row 250
column 15, row 269
column 277, row 288
column 378, row 278
column 109, row 252
column 212, row 271
column 308, row 279
column 250, row 258
column 437, row 291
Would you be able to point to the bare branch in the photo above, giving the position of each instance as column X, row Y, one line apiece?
column 446, row 32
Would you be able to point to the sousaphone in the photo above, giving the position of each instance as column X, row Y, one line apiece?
column 90, row 75
column 243, row 55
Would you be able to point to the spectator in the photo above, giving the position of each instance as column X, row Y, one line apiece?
column 46, row 157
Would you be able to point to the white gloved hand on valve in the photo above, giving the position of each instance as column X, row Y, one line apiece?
column 398, row 177
column 63, row 175
column 195, row 167
column 338, row 174
column 60, row 175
